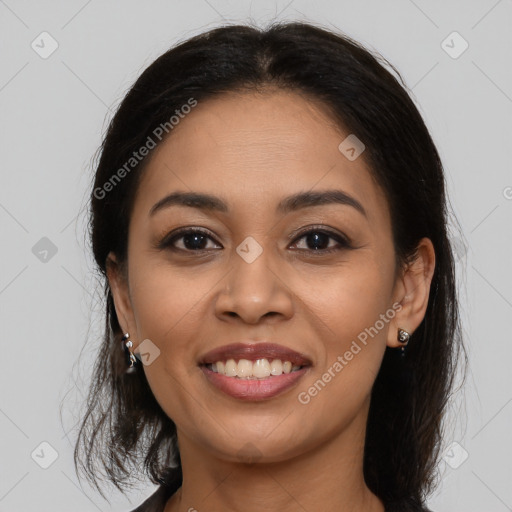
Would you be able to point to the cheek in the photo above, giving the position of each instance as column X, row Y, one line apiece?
column 352, row 351
column 347, row 310
column 166, row 301
column 345, row 301
column 169, row 310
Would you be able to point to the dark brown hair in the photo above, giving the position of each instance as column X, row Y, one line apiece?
column 123, row 427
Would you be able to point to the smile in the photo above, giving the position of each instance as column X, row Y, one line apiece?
column 254, row 371
column 259, row 369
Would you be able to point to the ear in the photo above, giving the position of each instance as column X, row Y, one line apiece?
column 412, row 291
column 118, row 282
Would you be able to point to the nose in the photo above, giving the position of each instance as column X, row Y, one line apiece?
column 253, row 292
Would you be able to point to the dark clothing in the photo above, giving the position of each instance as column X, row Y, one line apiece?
column 156, row 502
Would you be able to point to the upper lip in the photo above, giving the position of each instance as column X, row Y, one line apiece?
column 254, row 351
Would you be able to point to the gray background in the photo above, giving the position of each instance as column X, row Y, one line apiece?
column 53, row 112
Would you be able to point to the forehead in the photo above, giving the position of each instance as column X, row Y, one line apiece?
column 254, row 148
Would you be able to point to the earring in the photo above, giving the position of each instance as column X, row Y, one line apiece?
column 403, row 337
column 127, row 345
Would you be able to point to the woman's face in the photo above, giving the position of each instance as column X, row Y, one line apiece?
column 254, row 275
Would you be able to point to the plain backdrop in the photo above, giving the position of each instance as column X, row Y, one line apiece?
column 64, row 68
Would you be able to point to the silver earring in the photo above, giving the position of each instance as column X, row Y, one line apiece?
column 403, row 337
column 128, row 344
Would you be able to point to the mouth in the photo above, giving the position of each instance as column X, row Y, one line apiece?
column 246, row 369
column 254, row 371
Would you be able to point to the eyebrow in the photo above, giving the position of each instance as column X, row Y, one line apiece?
column 291, row 203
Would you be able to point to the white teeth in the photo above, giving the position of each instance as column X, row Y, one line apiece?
column 259, row 369
column 276, row 367
column 244, row 368
column 231, row 368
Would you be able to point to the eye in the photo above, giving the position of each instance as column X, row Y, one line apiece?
column 316, row 240
column 192, row 240
column 319, row 240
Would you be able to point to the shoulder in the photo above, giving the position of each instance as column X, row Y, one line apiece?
column 156, row 502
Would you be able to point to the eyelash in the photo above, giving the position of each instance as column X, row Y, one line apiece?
column 343, row 242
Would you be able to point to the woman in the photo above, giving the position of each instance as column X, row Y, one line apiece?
column 270, row 218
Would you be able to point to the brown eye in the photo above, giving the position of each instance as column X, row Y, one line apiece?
column 321, row 241
column 191, row 240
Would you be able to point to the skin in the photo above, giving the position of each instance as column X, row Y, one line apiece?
column 252, row 150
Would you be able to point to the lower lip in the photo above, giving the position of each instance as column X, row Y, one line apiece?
column 254, row 389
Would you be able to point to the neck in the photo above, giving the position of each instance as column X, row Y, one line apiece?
column 328, row 477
